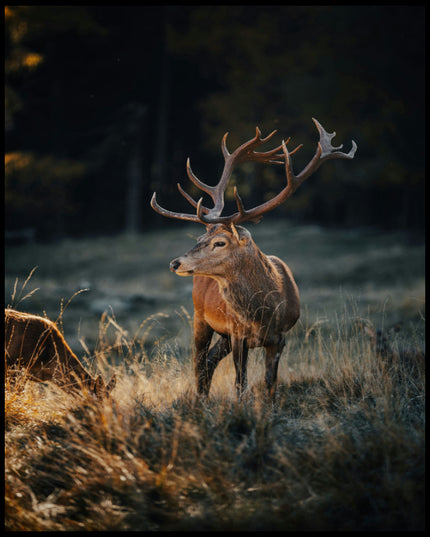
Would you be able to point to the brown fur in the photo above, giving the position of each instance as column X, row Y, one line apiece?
column 248, row 298
column 36, row 345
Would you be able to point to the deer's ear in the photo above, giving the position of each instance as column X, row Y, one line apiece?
column 235, row 232
column 99, row 385
column 111, row 384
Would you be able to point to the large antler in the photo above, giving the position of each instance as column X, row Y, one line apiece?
column 244, row 153
column 247, row 153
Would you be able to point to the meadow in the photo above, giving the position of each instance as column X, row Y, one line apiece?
column 341, row 447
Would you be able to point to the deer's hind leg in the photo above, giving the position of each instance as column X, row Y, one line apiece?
column 273, row 354
column 240, row 359
column 207, row 358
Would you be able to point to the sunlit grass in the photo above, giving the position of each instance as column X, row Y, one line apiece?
column 341, row 447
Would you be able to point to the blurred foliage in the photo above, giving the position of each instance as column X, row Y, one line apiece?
column 74, row 75
column 278, row 67
column 40, row 189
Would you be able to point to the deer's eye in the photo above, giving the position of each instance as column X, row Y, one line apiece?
column 219, row 244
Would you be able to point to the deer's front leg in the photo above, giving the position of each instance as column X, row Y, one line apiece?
column 273, row 354
column 206, row 359
column 240, row 359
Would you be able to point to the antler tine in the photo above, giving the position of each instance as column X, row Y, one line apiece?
column 200, row 208
column 171, row 214
column 324, row 152
column 257, row 140
column 194, row 179
column 190, row 199
column 277, row 152
column 241, row 208
column 327, row 150
column 246, row 153
column 224, row 149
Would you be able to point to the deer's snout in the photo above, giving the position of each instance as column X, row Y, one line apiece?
column 180, row 267
column 174, row 265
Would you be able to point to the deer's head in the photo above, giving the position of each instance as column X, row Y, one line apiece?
column 217, row 251
column 102, row 390
column 222, row 237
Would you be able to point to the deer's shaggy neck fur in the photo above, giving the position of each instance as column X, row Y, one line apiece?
column 252, row 289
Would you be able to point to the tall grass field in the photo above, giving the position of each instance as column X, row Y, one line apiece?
column 340, row 448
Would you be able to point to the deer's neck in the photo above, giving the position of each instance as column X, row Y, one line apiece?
column 252, row 289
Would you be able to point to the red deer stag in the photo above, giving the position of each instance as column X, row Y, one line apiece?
column 36, row 345
column 248, row 298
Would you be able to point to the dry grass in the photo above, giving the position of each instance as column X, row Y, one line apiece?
column 340, row 448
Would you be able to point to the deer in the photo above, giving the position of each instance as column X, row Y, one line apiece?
column 246, row 297
column 410, row 360
column 35, row 344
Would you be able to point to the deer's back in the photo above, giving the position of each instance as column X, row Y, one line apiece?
column 290, row 291
column 30, row 338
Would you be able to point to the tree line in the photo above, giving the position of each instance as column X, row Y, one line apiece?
column 105, row 103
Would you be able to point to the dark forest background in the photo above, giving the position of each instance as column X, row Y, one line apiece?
column 105, row 103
